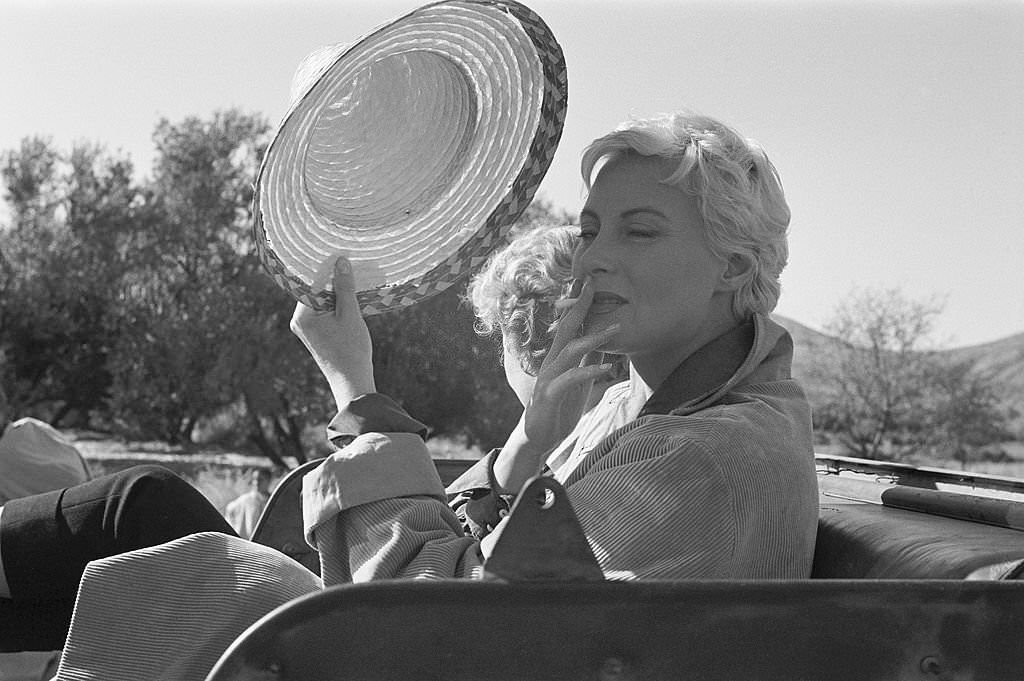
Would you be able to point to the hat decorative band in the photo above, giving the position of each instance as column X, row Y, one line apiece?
column 411, row 152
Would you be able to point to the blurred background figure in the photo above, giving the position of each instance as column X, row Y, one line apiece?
column 244, row 511
column 35, row 457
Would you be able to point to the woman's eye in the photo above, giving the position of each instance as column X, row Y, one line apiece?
column 587, row 234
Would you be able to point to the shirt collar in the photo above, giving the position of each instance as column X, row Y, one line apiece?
column 705, row 372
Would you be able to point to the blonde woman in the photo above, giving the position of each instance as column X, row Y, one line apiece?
column 683, row 239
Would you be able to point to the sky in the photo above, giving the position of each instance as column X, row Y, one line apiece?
column 897, row 127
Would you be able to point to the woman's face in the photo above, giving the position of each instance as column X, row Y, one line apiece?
column 645, row 254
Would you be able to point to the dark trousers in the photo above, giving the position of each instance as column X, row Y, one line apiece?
column 47, row 539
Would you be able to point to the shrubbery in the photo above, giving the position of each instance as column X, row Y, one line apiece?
column 140, row 308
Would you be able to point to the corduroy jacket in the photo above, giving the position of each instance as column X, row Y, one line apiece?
column 714, row 479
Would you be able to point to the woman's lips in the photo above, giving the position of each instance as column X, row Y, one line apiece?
column 605, row 302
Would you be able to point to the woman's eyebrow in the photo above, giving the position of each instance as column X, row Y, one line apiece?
column 631, row 212
column 642, row 210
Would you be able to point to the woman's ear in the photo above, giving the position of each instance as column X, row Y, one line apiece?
column 738, row 270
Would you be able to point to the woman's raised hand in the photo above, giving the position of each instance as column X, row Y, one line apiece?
column 567, row 374
column 338, row 340
column 559, row 395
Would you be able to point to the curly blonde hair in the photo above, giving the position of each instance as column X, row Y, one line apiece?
column 514, row 292
column 738, row 190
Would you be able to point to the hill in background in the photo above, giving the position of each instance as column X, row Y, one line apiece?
column 1002, row 360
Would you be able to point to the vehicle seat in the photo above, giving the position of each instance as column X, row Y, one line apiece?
column 888, row 539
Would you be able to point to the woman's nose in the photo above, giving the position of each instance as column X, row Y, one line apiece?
column 593, row 258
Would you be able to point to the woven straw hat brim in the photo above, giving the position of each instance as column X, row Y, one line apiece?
column 411, row 152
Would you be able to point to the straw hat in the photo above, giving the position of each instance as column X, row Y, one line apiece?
column 411, row 152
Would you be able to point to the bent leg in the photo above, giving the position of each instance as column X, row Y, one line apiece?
column 47, row 539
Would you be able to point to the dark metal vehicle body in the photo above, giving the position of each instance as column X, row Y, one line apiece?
column 917, row 575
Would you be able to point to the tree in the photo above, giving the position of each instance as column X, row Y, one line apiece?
column 62, row 256
column 31, row 185
column 429, row 358
column 186, row 277
column 30, row 176
column 203, row 333
column 968, row 415
column 278, row 389
column 143, row 307
column 890, row 393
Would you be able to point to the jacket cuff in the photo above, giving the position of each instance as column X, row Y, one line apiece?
column 375, row 466
column 371, row 413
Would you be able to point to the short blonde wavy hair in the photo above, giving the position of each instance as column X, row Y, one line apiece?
column 738, row 191
column 515, row 291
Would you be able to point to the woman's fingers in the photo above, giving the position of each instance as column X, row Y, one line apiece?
column 580, row 377
column 339, row 341
column 575, row 350
column 564, row 380
column 571, row 321
column 346, row 304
